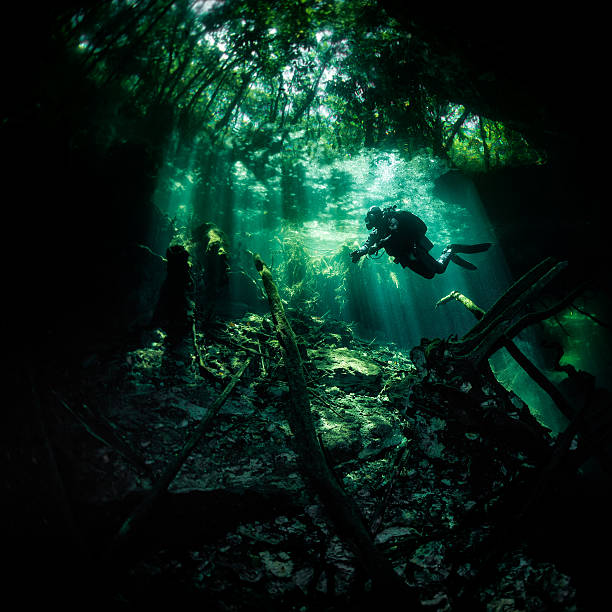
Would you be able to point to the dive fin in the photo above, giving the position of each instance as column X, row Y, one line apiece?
column 461, row 262
column 471, row 248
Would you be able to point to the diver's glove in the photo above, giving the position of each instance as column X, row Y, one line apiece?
column 359, row 253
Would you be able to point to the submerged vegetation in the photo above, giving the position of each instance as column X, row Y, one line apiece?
column 220, row 404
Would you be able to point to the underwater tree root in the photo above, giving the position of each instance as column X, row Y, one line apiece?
column 342, row 509
column 530, row 368
column 401, row 457
column 172, row 470
column 586, row 422
column 534, row 490
column 203, row 369
column 495, row 327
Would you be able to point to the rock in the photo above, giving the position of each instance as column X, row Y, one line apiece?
column 346, row 367
column 279, row 564
column 413, row 435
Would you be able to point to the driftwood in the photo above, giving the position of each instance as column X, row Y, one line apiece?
column 342, row 509
column 172, row 470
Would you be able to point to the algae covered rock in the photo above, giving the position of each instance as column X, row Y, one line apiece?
column 347, row 367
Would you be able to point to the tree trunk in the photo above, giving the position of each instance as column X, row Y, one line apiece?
column 454, row 130
column 485, row 147
column 246, row 79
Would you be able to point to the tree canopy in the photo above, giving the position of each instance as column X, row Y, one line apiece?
column 282, row 77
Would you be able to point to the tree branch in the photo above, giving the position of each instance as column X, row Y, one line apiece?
column 494, row 325
column 342, row 509
column 172, row 470
column 530, row 368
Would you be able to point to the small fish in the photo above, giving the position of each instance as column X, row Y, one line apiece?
column 394, row 279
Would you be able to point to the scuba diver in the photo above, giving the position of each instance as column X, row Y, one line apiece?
column 402, row 235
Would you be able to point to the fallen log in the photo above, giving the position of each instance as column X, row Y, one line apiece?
column 172, row 470
column 342, row 509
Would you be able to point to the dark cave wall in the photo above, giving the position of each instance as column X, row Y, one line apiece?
column 81, row 170
column 558, row 211
column 540, row 211
column 95, row 240
column 553, row 210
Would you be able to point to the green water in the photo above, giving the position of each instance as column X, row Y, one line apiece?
column 280, row 122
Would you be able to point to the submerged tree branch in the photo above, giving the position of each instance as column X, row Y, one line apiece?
column 477, row 311
column 496, row 327
column 590, row 316
column 342, row 509
column 485, row 147
column 460, row 121
column 172, row 470
column 95, row 427
column 508, row 298
column 530, row 368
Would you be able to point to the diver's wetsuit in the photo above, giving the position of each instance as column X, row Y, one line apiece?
column 402, row 235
